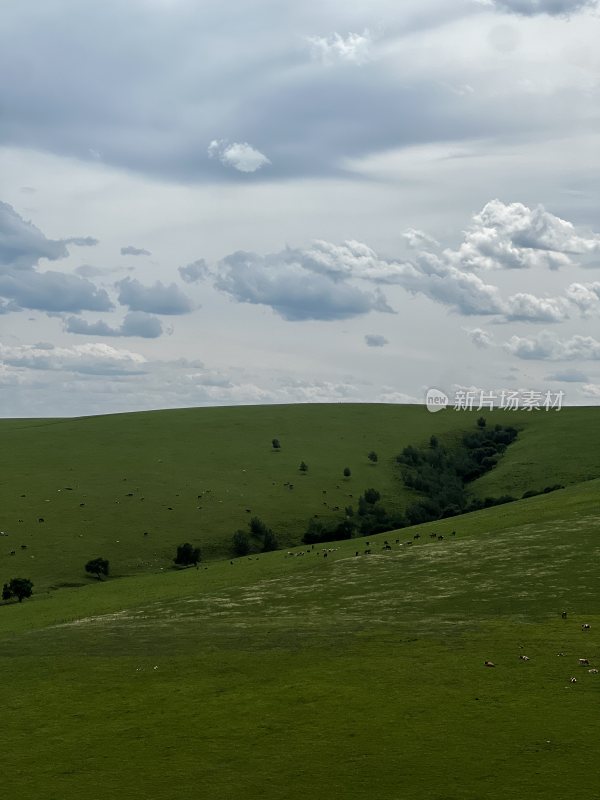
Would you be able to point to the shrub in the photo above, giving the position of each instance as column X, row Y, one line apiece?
column 97, row 567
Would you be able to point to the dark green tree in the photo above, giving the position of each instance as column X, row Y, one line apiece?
column 347, row 472
column 373, row 457
column 269, row 541
column 6, row 592
column 276, row 444
column 372, row 496
column 303, row 466
column 97, row 567
column 187, row 555
column 20, row 588
column 241, row 543
column 481, row 422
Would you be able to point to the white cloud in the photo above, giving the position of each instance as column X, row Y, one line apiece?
column 92, row 359
column 513, row 236
column 547, row 346
column 239, row 155
column 354, row 48
column 296, row 285
column 591, row 390
column 479, row 337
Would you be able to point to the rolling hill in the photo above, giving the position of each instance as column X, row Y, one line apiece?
column 130, row 487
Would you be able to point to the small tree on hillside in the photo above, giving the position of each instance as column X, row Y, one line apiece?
column 269, row 541
column 187, row 555
column 19, row 588
column 372, row 496
column 303, row 466
column 97, row 567
column 347, row 472
column 481, row 422
column 373, row 457
column 276, row 444
column 241, row 543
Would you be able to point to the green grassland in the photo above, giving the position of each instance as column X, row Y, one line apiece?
column 99, row 483
column 357, row 677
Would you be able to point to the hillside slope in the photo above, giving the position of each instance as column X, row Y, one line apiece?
column 101, row 483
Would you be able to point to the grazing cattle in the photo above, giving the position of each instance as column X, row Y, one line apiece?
column 248, row 511
column 367, row 552
column 432, row 535
column 524, row 658
column 23, row 547
column 417, row 536
column 440, row 538
column 593, row 671
column 584, row 662
column 488, row 664
column 573, row 679
column 325, row 555
column 585, row 627
column 564, row 614
column 169, row 508
column 40, row 519
column 453, row 533
column 12, row 552
column 356, row 553
column 386, row 547
column 397, row 541
column 145, row 533
column 81, row 505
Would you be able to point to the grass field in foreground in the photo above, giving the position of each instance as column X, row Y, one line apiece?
column 200, row 470
column 350, row 677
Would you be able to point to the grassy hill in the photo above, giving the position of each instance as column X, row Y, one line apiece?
column 101, row 483
column 356, row 677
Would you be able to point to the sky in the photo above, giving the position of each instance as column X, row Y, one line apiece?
column 204, row 204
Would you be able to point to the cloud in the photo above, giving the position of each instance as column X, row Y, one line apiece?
column 294, row 287
column 135, row 323
column 513, row 236
column 568, row 376
column 548, row 347
column 530, row 8
column 479, row 337
column 591, row 390
column 130, row 250
column 82, row 241
column 239, row 155
column 354, row 48
column 586, row 296
column 22, row 245
column 302, row 283
column 194, row 272
column 375, row 340
column 52, row 291
column 156, row 299
column 90, row 359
